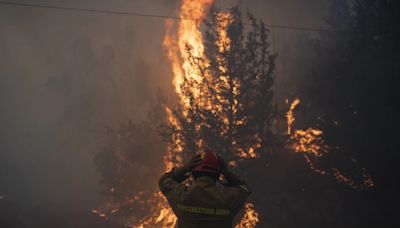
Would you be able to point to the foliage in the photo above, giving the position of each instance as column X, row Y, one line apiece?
column 230, row 109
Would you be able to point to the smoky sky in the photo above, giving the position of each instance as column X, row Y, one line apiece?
column 66, row 75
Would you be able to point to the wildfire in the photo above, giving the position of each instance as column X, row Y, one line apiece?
column 177, row 41
column 250, row 152
column 162, row 215
column 310, row 142
column 250, row 218
column 223, row 42
column 185, row 48
column 173, row 155
column 188, row 35
column 184, row 43
column 289, row 115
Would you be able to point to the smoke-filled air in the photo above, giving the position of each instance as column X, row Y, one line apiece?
column 199, row 113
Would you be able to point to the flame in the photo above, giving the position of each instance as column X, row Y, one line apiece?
column 250, row 218
column 289, row 115
column 162, row 215
column 188, row 36
column 173, row 155
column 184, row 42
column 178, row 43
column 223, row 42
column 250, row 153
column 310, row 142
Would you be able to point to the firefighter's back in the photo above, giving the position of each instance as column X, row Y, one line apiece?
column 205, row 204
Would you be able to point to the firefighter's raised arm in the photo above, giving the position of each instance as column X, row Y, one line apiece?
column 178, row 174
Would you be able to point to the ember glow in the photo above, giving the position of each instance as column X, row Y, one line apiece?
column 162, row 215
column 250, row 218
column 289, row 114
column 311, row 144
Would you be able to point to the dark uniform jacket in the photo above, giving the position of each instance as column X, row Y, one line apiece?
column 203, row 204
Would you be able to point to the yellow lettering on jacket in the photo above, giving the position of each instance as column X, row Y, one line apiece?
column 202, row 210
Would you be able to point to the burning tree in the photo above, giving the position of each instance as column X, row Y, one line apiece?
column 226, row 95
column 224, row 86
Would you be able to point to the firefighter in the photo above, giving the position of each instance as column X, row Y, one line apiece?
column 207, row 202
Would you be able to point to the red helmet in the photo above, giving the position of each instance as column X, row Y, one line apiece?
column 209, row 163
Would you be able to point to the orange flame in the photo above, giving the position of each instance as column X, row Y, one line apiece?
column 162, row 215
column 187, row 36
column 289, row 115
column 183, row 42
column 250, row 218
column 310, row 142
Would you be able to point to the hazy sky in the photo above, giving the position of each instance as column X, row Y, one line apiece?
column 65, row 75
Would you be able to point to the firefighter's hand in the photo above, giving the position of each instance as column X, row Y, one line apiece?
column 192, row 162
column 180, row 172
